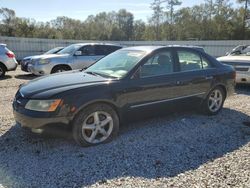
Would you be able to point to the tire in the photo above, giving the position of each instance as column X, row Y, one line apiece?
column 89, row 126
column 60, row 68
column 214, row 101
column 2, row 71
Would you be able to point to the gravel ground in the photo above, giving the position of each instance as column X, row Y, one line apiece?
column 179, row 150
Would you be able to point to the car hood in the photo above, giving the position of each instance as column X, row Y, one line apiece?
column 235, row 60
column 46, row 56
column 60, row 82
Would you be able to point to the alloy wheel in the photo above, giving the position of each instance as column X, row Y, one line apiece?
column 215, row 100
column 60, row 70
column 97, row 127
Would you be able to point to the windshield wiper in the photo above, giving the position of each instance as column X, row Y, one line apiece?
column 91, row 72
column 100, row 74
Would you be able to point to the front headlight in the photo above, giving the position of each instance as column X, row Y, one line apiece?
column 44, row 61
column 43, row 105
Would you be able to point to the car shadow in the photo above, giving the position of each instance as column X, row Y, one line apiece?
column 6, row 77
column 153, row 148
column 243, row 89
column 25, row 76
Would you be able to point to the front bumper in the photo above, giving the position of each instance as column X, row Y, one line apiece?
column 39, row 70
column 36, row 122
column 242, row 77
column 24, row 66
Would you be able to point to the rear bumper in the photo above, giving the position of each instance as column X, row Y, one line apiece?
column 38, row 123
column 11, row 64
column 243, row 77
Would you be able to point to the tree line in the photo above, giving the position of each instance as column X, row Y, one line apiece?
column 211, row 20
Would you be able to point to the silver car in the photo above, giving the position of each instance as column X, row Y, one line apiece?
column 7, row 60
column 75, row 56
column 25, row 61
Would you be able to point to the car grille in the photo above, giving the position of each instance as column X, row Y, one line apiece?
column 33, row 62
column 242, row 69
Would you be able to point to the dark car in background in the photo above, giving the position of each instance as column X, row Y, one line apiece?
column 25, row 61
column 93, row 102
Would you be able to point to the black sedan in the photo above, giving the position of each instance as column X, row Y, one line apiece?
column 94, row 101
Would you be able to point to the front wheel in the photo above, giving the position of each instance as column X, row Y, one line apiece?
column 96, row 124
column 59, row 69
column 214, row 101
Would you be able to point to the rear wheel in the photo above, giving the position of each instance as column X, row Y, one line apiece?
column 2, row 71
column 214, row 101
column 60, row 68
column 96, row 124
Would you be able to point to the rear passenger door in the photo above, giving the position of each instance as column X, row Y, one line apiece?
column 195, row 72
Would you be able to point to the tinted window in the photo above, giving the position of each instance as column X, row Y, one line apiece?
column 88, row 50
column 105, row 49
column 100, row 50
column 189, row 61
column 160, row 64
column 111, row 49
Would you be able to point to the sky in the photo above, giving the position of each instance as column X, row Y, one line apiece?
column 46, row 10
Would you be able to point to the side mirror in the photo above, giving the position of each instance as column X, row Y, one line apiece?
column 78, row 53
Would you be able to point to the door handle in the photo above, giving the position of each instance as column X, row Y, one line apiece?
column 209, row 77
column 178, row 83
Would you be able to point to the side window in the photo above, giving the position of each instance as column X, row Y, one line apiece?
column 87, row 50
column 206, row 64
column 189, row 61
column 101, row 50
column 160, row 64
column 111, row 49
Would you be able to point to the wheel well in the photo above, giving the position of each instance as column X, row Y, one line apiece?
column 3, row 65
column 63, row 65
column 223, row 88
column 98, row 102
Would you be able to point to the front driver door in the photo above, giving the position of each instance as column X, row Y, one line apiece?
column 86, row 58
column 156, row 84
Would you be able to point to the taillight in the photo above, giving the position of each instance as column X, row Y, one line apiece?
column 10, row 54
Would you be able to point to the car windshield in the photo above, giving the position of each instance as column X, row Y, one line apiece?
column 117, row 64
column 53, row 51
column 70, row 49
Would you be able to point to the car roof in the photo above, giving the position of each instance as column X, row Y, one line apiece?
column 98, row 43
column 150, row 49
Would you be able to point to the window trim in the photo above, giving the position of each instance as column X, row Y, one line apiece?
column 201, row 59
column 152, row 55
